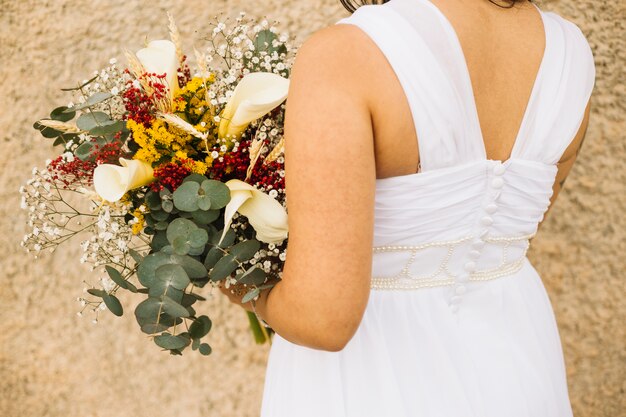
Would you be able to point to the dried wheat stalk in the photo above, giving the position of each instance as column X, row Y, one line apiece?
column 278, row 149
column 254, row 150
column 175, row 36
column 182, row 125
column 60, row 126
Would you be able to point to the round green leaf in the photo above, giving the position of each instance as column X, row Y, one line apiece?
column 90, row 120
column 218, row 192
column 200, row 327
column 205, row 349
column 148, row 308
column 204, row 202
column 186, row 196
column 205, row 217
column 192, row 267
column 180, row 228
column 198, row 237
column 172, row 308
column 181, row 245
column 147, row 268
column 167, row 341
column 171, row 275
column 199, row 178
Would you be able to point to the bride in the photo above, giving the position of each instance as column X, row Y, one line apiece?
column 425, row 141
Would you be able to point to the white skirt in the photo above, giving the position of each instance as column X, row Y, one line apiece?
column 499, row 355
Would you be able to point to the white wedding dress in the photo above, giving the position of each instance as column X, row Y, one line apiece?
column 458, row 323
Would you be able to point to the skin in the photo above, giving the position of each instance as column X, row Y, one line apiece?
column 345, row 116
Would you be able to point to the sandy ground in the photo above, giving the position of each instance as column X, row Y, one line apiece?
column 53, row 363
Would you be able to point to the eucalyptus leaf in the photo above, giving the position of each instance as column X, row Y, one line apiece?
column 253, row 276
column 200, row 327
column 244, row 251
column 204, row 202
column 135, row 255
column 60, row 114
column 83, row 152
column 205, row 349
column 192, row 267
column 94, row 99
column 180, row 228
column 223, row 268
column 85, row 84
column 108, row 128
column 198, row 238
column 153, row 200
column 116, row 276
column 159, row 215
column 167, row 341
column 172, row 308
column 250, row 295
column 205, row 217
column 186, row 196
column 181, row 245
column 113, row 304
column 88, row 121
column 96, row 292
column 161, row 226
column 198, row 178
column 147, row 269
column 159, row 241
column 218, row 192
column 171, row 275
column 214, row 255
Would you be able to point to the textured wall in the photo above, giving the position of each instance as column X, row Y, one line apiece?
column 53, row 363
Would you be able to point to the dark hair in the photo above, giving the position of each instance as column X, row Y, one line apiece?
column 352, row 5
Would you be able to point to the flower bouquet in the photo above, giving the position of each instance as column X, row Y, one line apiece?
column 172, row 180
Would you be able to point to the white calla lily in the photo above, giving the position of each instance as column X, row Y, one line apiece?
column 265, row 214
column 159, row 57
column 257, row 94
column 113, row 181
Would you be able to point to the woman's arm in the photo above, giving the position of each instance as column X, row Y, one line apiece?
column 330, row 185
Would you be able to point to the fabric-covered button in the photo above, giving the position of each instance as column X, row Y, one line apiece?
column 454, row 308
column 470, row 266
column 497, row 183
column 455, row 299
column 498, row 169
column 486, row 221
column 474, row 254
column 478, row 245
column 491, row 208
column 460, row 289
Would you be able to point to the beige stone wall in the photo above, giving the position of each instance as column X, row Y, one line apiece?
column 54, row 364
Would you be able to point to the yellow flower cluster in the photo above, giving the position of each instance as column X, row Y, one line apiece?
column 197, row 167
column 157, row 140
column 138, row 226
column 192, row 97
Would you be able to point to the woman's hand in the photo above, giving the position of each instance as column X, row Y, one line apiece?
column 236, row 292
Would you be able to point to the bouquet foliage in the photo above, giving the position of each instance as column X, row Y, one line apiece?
column 172, row 179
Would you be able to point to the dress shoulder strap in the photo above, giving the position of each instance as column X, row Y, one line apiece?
column 428, row 67
column 556, row 111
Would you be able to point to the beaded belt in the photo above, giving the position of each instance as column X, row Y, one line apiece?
column 442, row 276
